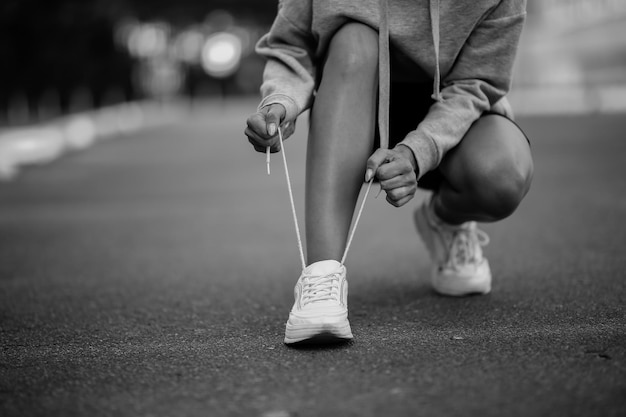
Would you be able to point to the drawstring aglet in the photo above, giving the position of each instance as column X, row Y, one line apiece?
column 437, row 97
column 379, row 191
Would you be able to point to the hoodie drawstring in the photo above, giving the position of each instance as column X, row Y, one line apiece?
column 434, row 23
column 384, row 70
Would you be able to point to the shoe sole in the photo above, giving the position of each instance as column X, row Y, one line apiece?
column 460, row 287
column 318, row 333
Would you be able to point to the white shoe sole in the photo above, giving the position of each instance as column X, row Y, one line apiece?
column 318, row 332
column 458, row 285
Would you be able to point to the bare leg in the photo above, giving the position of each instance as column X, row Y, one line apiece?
column 487, row 175
column 341, row 139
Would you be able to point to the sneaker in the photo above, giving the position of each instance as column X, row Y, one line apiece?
column 320, row 311
column 459, row 267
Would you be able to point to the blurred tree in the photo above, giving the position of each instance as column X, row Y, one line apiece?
column 59, row 45
column 68, row 45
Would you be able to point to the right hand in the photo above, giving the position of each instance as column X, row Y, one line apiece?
column 395, row 169
column 262, row 130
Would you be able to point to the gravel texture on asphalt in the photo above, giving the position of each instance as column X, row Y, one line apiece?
column 152, row 276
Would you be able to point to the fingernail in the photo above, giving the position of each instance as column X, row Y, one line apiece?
column 271, row 129
column 368, row 175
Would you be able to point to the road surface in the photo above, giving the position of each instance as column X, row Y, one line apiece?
column 152, row 276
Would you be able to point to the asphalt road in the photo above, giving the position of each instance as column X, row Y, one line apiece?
column 152, row 276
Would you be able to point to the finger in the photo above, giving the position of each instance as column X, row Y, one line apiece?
column 400, row 196
column 263, row 148
column 401, row 202
column 274, row 116
column 256, row 123
column 397, row 182
column 401, row 192
column 394, row 168
column 256, row 139
column 377, row 159
column 275, row 147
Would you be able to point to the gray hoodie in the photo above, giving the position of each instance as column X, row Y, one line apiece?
column 466, row 47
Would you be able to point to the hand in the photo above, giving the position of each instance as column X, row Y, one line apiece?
column 395, row 169
column 262, row 130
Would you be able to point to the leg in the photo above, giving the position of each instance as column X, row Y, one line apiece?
column 484, row 179
column 487, row 175
column 341, row 139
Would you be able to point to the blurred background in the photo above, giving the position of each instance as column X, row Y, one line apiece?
column 126, row 59
column 61, row 56
column 64, row 56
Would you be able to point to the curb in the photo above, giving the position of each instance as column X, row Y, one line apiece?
column 46, row 142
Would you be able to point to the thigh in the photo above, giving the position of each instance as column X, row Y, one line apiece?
column 493, row 141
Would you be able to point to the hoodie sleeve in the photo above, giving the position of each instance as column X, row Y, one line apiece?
column 480, row 77
column 289, row 75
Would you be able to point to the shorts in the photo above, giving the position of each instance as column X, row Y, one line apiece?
column 408, row 106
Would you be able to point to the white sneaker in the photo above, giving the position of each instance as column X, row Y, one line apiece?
column 320, row 311
column 459, row 267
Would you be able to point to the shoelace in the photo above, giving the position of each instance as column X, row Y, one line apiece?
column 466, row 247
column 316, row 288
column 293, row 206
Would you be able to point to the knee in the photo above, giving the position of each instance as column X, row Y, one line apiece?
column 354, row 50
column 494, row 166
column 500, row 186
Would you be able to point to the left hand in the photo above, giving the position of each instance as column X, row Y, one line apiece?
column 262, row 127
column 395, row 169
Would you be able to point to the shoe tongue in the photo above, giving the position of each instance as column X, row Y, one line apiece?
column 322, row 268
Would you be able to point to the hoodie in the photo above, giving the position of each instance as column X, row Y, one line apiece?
column 466, row 48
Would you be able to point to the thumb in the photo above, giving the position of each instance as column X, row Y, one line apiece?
column 275, row 114
column 377, row 159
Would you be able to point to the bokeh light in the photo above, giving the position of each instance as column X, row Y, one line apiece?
column 221, row 54
column 148, row 40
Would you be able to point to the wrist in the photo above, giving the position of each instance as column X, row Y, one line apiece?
column 408, row 153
